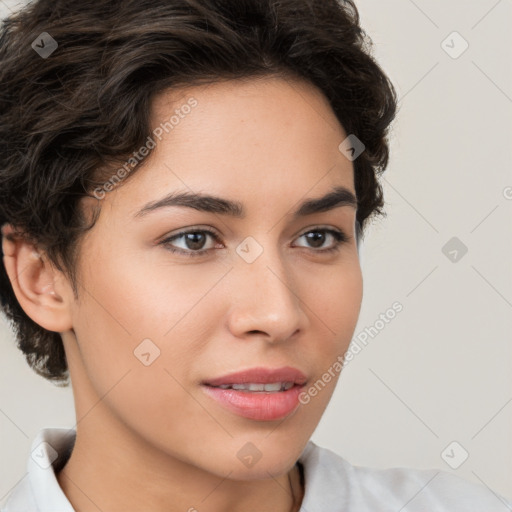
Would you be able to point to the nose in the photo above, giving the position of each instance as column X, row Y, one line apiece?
column 264, row 299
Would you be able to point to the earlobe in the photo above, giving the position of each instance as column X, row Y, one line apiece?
column 38, row 286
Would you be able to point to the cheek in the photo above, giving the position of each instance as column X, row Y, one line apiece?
column 335, row 300
column 335, row 303
column 133, row 312
column 145, row 297
column 139, row 371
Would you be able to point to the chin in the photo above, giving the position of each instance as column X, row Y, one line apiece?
column 259, row 460
column 263, row 469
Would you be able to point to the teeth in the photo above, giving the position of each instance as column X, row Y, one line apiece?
column 269, row 388
column 272, row 387
column 249, row 387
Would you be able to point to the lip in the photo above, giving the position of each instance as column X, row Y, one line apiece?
column 260, row 375
column 259, row 405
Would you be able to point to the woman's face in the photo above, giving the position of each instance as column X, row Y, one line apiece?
column 156, row 330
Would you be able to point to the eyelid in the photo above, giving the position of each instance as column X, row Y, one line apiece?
column 189, row 229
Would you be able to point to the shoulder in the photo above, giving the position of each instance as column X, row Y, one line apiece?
column 332, row 479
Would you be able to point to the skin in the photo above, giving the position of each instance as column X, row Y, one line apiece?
column 148, row 437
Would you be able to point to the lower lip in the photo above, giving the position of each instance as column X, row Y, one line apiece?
column 257, row 405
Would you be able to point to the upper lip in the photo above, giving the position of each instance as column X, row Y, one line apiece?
column 260, row 375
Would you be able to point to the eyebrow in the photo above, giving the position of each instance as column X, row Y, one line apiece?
column 337, row 197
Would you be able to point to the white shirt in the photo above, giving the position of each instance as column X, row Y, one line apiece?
column 331, row 484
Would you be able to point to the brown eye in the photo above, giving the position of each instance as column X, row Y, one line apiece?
column 316, row 238
column 193, row 240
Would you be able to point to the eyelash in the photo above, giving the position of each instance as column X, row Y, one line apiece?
column 339, row 236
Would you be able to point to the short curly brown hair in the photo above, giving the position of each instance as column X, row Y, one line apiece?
column 66, row 118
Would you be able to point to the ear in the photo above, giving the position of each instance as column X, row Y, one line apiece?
column 42, row 291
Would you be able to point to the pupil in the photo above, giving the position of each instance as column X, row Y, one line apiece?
column 316, row 237
column 192, row 237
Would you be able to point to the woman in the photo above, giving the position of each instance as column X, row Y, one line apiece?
column 184, row 187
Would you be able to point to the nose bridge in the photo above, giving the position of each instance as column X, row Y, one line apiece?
column 266, row 299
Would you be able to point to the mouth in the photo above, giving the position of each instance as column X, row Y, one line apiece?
column 260, row 394
column 273, row 387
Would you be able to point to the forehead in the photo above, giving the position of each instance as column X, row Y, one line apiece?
column 268, row 139
column 258, row 122
column 290, row 97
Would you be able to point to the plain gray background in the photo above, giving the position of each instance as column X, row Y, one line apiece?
column 441, row 370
